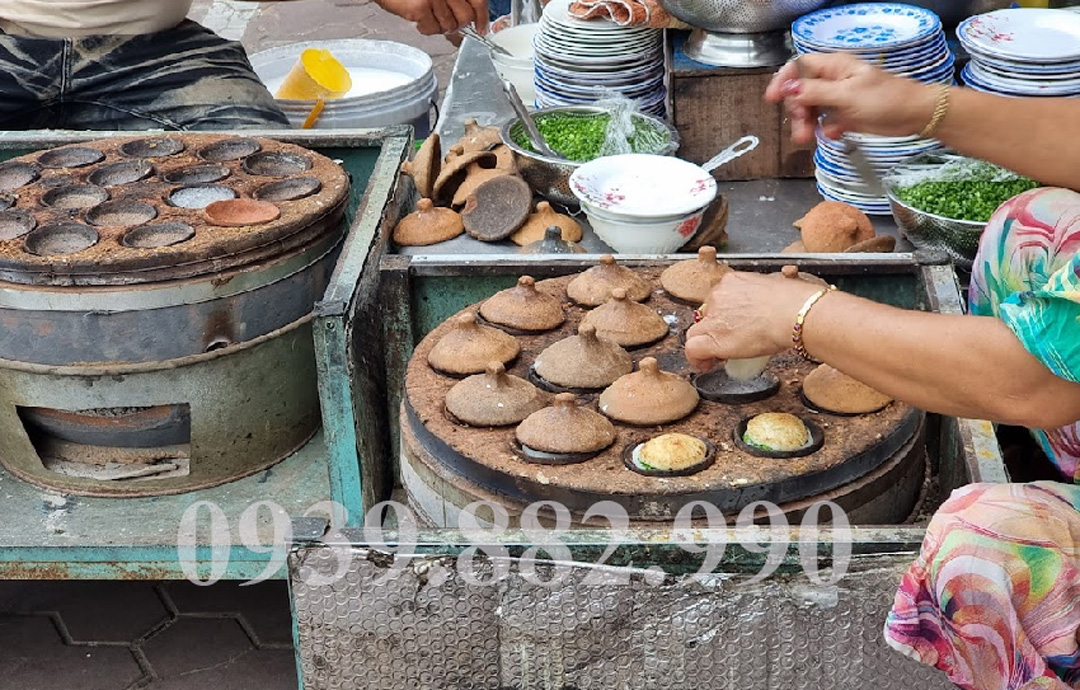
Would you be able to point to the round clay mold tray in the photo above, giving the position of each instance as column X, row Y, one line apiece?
column 153, row 147
column 207, row 173
column 124, row 172
column 236, row 213
column 538, row 457
column 275, row 164
column 121, row 213
column 158, row 235
column 74, row 196
column 288, row 190
column 17, row 174
column 71, row 157
column 15, row 224
column 200, row 196
column 230, row 150
column 817, row 440
column 61, row 238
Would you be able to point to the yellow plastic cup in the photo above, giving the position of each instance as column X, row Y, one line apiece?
column 316, row 74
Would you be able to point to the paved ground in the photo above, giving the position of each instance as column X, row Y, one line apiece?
column 176, row 636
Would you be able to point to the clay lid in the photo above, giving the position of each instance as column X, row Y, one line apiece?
column 524, row 308
column 833, row 391
column 880, row 244
column 833, row 226
column 504, row 158
column 594, row 287
column 584, row 361
column 497, row 208
column 470, row 346
column 793, row 273
column 428, row 225
column 566, row 428
column 454, row 173
column 474, row 177
column 493, row 398
column 237, row 213
column 626, row 322
column 692, row 281
column 552, row 243
column 425, row 165
column 478, row 138
column 543, row 218
column 796, row 247
column 649, row 396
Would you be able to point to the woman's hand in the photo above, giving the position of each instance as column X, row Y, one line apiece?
column 440, row 16
column 856, row 96
column 747, row 315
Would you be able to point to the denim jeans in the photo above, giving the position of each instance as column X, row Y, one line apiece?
column 185, row 78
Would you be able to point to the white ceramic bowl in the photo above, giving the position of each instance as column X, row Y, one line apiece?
column 643, row 186
column 644, row 236
column 519, row 69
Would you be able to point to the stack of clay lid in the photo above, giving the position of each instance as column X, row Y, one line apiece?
column 453, row 174
column 524, row 308
column 478, row 137
column 428, row 225
column 626, row 322
column 583, row 361
column 833, row 226
column 542, row 218
column 692, row 281
column 829, row 390
column 649, row 396
column 470, row 346
column 595, row 286
column 564, row 433
column 493, row 398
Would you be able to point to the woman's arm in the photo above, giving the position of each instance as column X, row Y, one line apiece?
column 961, row 366
column 1028, row 135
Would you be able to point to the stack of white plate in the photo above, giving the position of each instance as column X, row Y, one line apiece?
column 580, row 62
column 903, row 39
column 1023, row 52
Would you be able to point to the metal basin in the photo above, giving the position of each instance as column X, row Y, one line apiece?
column 741, row 16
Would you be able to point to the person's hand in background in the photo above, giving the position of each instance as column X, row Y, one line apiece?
column 440, row 16
column 858, row 96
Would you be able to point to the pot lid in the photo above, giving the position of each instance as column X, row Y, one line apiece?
column 566, row 428
column 626, row 322
column 428, row 224
column 594, row 286
column 649, row 396
column 693, row 280
column 470, row 346
column 494, row 398
column 524, row 308
column 584, row 360
column 833, row 391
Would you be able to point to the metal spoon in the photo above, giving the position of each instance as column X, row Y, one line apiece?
column 531, row 131
column 491, row 45
column 739, row 148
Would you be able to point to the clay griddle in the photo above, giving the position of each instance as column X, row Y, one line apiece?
column 854, row 446
column 129, row 186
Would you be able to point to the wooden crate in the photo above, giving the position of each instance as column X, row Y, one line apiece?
column 711, row 107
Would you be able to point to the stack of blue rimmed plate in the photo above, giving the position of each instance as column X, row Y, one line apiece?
column 579, row 62
column 1023, row 52
column 903, row 39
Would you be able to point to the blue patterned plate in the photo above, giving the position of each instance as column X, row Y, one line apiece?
column 865, row 26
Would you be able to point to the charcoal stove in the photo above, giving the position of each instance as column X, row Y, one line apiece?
column 147, row 347
column 872, row 465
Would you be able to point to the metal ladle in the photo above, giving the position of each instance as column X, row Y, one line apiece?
column 535, row 138
column 491, row 45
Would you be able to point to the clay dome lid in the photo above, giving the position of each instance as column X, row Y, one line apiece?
column 583, row 361
column 626, row 322
column 793, row 273
column 883, row 244
column 833, row 226
column 470, row 346
column 474, row 177
column 504, row 158
column 428, row 224
column 479, row 138
column 833, row 391
column 425, row 166
column 493, row 398
column 649, row 396
column 693, row 280
column 543, row 218
column 496, row 208
column 524, row 308
column 454, row 172
column 566, row 428
column 594, row 287
column 552, row 243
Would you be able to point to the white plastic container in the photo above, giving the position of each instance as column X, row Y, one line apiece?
column 393, row 84
column 519, row 70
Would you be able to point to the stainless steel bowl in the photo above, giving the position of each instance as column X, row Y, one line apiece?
column 550, row 177
column 741, row 16
column 957, row 238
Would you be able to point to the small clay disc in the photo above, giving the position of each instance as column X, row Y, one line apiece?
column 497, row 208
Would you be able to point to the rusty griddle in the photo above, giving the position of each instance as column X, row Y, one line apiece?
column 248, row 168
column 854, row 446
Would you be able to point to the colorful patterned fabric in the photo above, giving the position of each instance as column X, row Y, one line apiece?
column 994, row 597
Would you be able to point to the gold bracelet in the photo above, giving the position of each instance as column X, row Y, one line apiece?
column 941, row 107
column 796, row 331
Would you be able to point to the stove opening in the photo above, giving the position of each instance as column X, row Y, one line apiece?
column 112, row 444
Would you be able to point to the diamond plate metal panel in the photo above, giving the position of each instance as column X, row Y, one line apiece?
column 428, row 629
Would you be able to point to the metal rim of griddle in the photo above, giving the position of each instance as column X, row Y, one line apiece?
column 738, row 392
column 528, row 490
